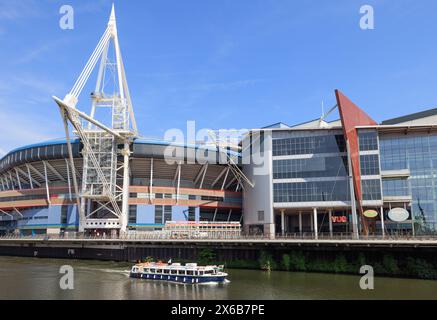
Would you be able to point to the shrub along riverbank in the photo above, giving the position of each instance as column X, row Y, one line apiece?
column 384, row 264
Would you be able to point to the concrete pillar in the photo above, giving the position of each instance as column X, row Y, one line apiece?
column 300, row 222
column 316, row 231
column 382, row 222
column 269, row 230
column 330, row 222
column 412, row 220
column 283, row 221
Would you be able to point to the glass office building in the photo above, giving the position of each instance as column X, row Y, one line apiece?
column 348, row 175
column 414, row 156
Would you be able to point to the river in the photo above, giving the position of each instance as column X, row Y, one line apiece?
column 33, row 278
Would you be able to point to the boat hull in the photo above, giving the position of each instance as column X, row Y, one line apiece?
column 179, row 279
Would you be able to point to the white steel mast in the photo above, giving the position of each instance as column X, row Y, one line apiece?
column 103, row 201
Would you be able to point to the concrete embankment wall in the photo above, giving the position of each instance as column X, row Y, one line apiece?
column 125, row 252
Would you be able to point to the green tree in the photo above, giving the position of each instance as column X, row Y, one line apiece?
column 390, row 264
column 297, row 261
column 341, row 264
column 286, row 262
column 206, row 256
column 266, row 261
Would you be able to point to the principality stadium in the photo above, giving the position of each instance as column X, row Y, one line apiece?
column 39, row 193
column 106, row 179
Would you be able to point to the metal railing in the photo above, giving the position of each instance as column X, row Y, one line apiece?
column 157, row 235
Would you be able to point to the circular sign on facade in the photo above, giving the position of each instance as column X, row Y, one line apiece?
column 370, row 213
column 398, row 214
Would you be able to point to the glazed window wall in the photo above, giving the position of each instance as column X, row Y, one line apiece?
column 158, row 214
column 395, row 187
column 311, row 191
column 418, row 153
column 209, row 214
column 192, row 214
column 167, row 213
column 132, row 214
column 310, row 168
column 371, row 189
column 64, row 214
column 393, row 153
column 369, row 164
column 309, row 145
column 368, row 140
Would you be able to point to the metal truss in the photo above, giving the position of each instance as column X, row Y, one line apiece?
column 216, row 137
column 104, row 192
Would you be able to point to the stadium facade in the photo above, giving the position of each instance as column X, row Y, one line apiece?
column 350, row 176
column 38, row 197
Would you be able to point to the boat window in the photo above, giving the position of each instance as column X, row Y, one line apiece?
column 190, row 272
column 174, row 272
column 166, row 271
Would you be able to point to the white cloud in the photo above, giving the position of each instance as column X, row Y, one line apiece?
column 20, row 129
column 27, row 113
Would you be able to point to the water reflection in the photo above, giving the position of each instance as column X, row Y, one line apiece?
column 32, row 278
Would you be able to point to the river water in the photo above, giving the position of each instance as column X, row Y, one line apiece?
column 33, row 278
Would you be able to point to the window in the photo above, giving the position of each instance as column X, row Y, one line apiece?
column 167, row 213
column 158, row 214
column 261, row 215
column 368, row 140
column 212, row 198
column 41, row 218
column 371, row 189
column 337, row 190
column 393, row 153
column 132, row 214
column 395, row 187
column 310, row 168
column 369, row 164
column 192, row 214
column 64, row 215
column 309, row 145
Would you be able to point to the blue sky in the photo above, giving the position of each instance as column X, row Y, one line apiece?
column 222, row 63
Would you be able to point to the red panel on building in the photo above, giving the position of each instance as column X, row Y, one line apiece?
column 351, row 117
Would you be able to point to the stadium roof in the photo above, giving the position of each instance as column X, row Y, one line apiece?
column 427, row 116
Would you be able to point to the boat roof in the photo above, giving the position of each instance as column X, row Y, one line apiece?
column 174, row 266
